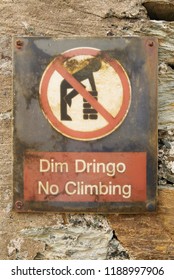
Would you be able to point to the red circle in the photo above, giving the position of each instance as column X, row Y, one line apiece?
column 114, row 121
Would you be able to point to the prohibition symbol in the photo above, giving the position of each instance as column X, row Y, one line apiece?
column 85, row 94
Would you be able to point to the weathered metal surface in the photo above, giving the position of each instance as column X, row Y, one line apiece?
column 68, row 152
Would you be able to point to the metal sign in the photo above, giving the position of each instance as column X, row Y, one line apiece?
column 85, row 124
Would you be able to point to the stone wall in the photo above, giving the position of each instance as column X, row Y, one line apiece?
column 72, row 236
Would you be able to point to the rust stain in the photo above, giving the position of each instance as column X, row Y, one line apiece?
column 74, row 65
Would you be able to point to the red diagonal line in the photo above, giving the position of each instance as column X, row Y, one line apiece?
column 80, row 89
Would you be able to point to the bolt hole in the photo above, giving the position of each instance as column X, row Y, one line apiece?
column 19, row 204
column 151, row 44
column 19, row 44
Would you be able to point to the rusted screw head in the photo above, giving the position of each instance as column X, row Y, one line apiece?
column 151, row 43
column 19, row 44
column 19, row 204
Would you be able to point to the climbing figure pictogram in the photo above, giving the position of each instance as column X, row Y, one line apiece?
column 85, row 93
column 85, row 73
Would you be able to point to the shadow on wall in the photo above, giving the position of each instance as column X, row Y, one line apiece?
column 160, row 10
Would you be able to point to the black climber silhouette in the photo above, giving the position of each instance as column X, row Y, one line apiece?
column 66, row 98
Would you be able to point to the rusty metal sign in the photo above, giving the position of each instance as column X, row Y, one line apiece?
column 85, row 124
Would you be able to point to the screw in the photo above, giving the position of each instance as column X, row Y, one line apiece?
column 19, row 44
column 19, row 204
column 150, row 206
column 151, row 43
